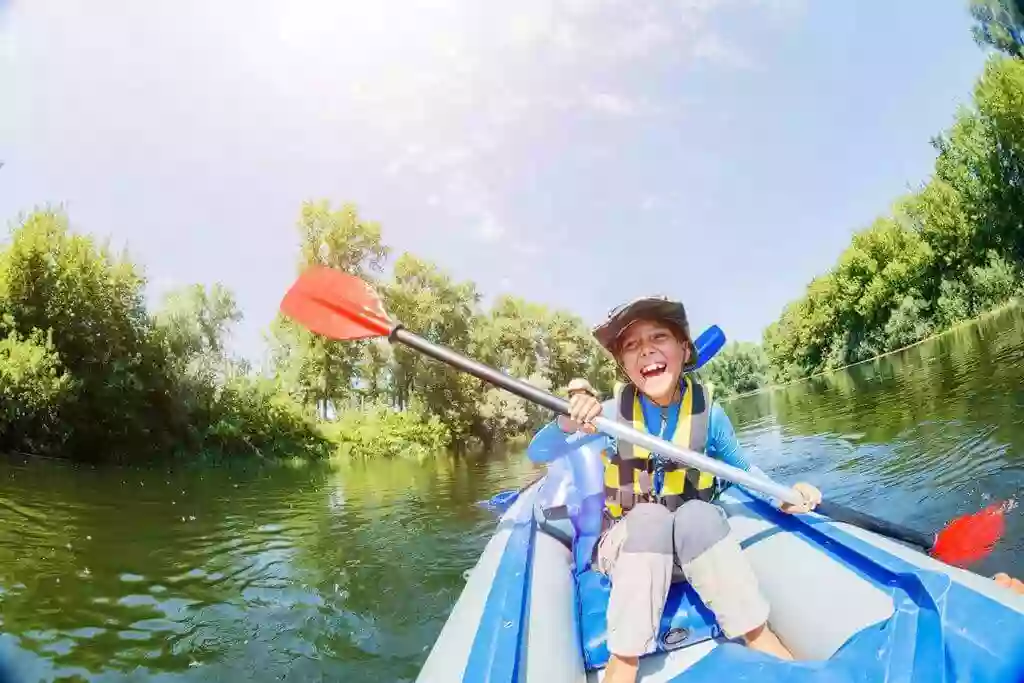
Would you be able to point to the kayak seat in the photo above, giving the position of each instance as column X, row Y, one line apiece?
column 685, row 621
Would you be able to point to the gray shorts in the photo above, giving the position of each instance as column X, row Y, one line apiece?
column 650, row 547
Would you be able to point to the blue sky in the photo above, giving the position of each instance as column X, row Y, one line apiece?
column 574, row 152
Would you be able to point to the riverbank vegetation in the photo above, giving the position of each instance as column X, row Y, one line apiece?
column 87, row 372
column 740, row 367
column 372, row 386
column 945, row 253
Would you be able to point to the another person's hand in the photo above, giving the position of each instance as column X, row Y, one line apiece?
column 1007, row 581
column 811, row 495
column 583, row 407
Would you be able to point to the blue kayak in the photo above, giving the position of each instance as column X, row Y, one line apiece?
column 852, row 606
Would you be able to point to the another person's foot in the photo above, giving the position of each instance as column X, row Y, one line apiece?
column 764, row 639
column 621, row 669
column 1004, row 579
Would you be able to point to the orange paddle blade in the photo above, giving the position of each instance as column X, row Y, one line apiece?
column 336, row 305
column 968, row 539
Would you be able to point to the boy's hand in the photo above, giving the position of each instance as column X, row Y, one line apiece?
column 812, row 496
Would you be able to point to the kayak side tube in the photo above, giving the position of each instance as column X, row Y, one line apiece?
column 489, row 635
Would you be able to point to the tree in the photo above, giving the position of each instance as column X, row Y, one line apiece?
column 87, row 373
column 90, row 304
column 443, row 311
column 738, row 368
column 947, row 253
column 317, row 369
column 33, row 389
column 998, row 23
column 194, row 323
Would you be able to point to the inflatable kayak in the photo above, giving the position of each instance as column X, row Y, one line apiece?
column 851, row 605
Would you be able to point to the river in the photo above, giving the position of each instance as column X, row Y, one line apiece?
column 250, row 573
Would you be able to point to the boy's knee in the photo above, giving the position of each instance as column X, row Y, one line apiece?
column 648, row 529
column 697, row 526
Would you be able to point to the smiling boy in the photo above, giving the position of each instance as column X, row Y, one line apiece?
column 660, row 520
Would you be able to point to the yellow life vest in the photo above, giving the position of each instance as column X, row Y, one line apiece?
column 629, row 472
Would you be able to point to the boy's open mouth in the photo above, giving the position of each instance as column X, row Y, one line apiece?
column 652, row 370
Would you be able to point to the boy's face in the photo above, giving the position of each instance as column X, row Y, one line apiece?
column 653, row 359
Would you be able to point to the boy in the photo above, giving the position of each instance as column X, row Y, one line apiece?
column 659, row 517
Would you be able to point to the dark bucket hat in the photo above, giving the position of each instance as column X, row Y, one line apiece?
column 658, row 308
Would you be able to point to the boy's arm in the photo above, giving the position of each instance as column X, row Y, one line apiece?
column 722, row 441
column 551, row 442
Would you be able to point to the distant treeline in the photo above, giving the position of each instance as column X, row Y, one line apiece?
column 87, row 372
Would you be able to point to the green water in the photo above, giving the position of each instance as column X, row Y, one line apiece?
column 269, row 574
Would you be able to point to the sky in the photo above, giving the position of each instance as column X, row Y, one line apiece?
column 578, row 153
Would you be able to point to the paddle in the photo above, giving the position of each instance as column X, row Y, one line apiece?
column 344, row 307
column 708, row 343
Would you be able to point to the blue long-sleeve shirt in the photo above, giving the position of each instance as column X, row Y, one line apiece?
column 551, row 442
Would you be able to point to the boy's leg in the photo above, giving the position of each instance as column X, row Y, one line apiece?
column 636, row 554
column 715, row 566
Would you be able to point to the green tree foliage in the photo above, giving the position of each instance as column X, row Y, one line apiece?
column 738, row 368
column 194, row 323
column 33, row 389
column 998, row 24
column 947, row 253
column 526, row 340
column 427, row 300
column 317, row 370
column 90, row 304
column 87, row 373
column 379, row 431
column 252, row 416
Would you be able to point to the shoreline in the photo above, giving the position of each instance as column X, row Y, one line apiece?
column 1009, row 303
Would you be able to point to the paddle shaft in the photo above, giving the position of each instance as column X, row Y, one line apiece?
column 683, row 456
column 841, row 513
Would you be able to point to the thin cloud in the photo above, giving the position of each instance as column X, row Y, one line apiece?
column 526, row 248
column 610, row 103
column 489, row 229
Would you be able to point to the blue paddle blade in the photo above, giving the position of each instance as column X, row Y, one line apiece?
column 500, row 502
column 708, row 344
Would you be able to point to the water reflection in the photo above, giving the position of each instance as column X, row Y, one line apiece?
column 920, row 436
column 267, row 574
